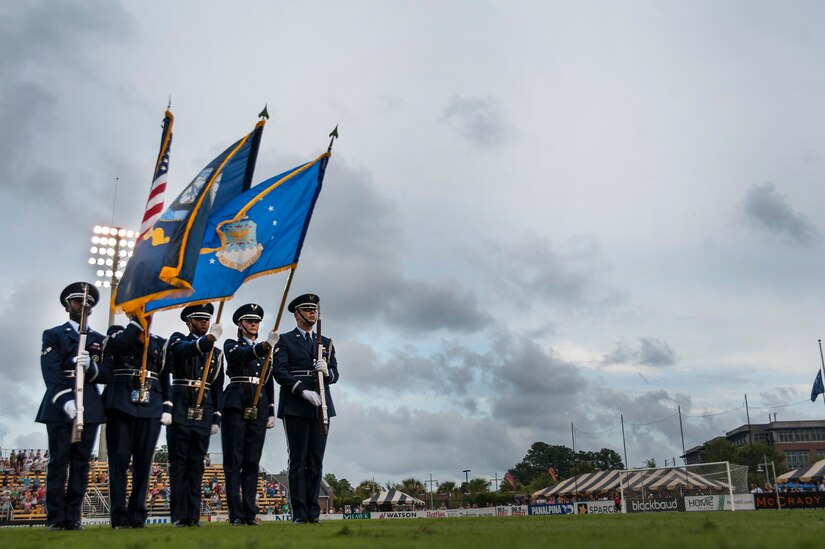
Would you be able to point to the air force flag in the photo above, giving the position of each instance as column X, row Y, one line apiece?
column 258, row 233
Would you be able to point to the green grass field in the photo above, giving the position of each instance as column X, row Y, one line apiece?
column 765, row 529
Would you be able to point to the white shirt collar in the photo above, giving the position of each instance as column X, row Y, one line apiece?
column 76, row 326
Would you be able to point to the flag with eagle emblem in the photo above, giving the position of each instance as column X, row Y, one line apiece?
column 258, row 233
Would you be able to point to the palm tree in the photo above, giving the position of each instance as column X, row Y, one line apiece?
column 413, row 487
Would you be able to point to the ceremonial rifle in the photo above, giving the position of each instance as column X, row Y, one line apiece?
column 252, row 412
column 322, row 392
column 80, row 373
column 196, row 413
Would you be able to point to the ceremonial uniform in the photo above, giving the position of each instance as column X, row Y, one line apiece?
column 58, row 362
column 299, row 408
column 187, row 437
column 133, row 424
column 243, row 437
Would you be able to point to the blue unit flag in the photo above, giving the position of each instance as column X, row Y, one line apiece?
column 818, row 387
column 165, row 258
column 258, row 233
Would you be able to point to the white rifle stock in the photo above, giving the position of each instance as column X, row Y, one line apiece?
column 322, row 391
column 80, row 373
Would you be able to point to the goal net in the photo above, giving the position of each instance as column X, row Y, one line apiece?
column 721, row 486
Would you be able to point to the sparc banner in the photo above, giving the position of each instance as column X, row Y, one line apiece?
column 595, row 507
column 791, row 500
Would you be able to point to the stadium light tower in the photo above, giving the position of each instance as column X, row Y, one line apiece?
column 111, row 249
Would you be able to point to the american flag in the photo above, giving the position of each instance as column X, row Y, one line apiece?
column 154, row 204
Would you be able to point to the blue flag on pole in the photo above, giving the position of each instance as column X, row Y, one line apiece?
column 165, row 259
column 818, row 387
column 258, row 233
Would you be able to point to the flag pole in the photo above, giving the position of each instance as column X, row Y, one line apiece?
column 208, row 363
column 268, row 361
column 822, row 371
column 142, row 395
column 333, row 135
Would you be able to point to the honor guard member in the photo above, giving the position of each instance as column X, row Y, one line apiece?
column 59, row 359
column 245, row 422
column 299, row 406
column 189, row 425
column 133, row 414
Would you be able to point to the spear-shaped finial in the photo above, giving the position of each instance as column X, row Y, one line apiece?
column 333, row 136
column 169, row 106
column 264, row 113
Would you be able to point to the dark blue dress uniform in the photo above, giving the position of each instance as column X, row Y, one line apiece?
column 132, row 428
column 188, row 439
column 294, row 371
column 58, row 365
column 243, row 439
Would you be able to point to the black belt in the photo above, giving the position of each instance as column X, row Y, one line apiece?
column 303, row 372
column 135, row 373
column 69, row 373
column 245, row 379
column 196, row 383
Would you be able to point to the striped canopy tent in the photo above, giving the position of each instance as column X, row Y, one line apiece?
column 585, row 483
column 610, row 481
column 392, row 497
column 809, row 473
column 682, row 478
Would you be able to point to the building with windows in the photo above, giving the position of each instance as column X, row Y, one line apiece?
column 802, row 442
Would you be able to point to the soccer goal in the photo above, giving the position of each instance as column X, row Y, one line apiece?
column 720, row 486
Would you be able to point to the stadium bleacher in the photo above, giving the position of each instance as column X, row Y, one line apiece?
column 97, row 494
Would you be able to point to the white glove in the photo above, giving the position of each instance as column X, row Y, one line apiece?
column 321, row 366
column 312, row 397
column 272, row 338
column 270, row 422
column 215, row 330
column 214, row 429
column 70, row 408
column 166, row 418
column 84, row 360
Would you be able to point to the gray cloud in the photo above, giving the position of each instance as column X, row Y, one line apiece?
column 353, row 258
column 479, row 121
column 650, row 352
column 527, row 380
column 539, row 274
column 22, row 386
column 766, row 208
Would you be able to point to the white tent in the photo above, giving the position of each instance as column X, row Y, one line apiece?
column 393, row 497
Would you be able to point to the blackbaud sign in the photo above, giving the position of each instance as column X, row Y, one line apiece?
column 652, row 505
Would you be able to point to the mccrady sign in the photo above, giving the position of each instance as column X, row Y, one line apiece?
column 791, row 500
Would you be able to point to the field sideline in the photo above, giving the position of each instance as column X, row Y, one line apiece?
column 765, row 529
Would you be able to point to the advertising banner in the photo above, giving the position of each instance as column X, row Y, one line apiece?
column 791, row 500
column 552, row 509
column 652, row 505
column 595, row 507
column 356, row 516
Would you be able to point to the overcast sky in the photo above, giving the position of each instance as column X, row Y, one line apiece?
column 537, row 214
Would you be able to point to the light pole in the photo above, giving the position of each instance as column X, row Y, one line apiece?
column 111, row 249
column 431, row 482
